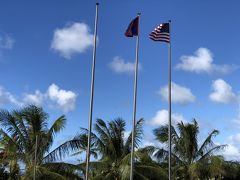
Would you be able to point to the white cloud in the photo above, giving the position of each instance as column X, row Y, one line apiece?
column 202, row 62
column 151, row 141
column 62, row 98
column 180, row 94
column 118, row 65
column 6, row 42
column 54, row 96
column 37, row 98
column 231, row 152
column 222, row 92
column 161, row 118
column 224, row 69
column 72, row 39
column 7, row 98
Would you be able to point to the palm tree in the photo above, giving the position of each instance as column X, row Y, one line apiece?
column 115, row 153
column 190, row 159
column 25, row 132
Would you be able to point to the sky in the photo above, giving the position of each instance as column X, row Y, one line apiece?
column 46, row 57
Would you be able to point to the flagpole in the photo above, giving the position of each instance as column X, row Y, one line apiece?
column 134, row 103
column 35, row 158
column 91, row 95
column 170, row 104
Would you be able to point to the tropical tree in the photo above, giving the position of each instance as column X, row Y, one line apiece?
column 26, row 140
column 191, row 160
column 115, row 152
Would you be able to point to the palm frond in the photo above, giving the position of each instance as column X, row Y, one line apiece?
column 151, row 172
column 64, row 169
column 214, row 149
column 102, row 130
column 137, row 138
column 57, row 126
column 44, row 173
column 61, row 151
column 139, row 176
column 10, row 123
column 207, row 143
column 161, row 154
column 22, row 126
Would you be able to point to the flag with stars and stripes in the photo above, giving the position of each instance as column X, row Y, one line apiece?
column 161, row 33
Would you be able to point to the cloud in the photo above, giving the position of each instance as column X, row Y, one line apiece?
column 231, row 152
column 72, row 39
column 222, row 92
column 150, row 140
column 202, row 62
column 7, row 98
column 118, row 65
column 161, row 118
column 180, row 94
column 62, row 98
column 6, row 42
column 37, row 98
column 54, row 97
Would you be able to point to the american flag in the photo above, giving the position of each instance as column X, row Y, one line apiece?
column 161, row 33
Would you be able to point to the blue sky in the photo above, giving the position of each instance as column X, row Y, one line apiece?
column 46, row 56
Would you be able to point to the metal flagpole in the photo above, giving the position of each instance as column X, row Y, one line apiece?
column 35, row 158
column 91, row 95
column 134, row 103
column 170, row 104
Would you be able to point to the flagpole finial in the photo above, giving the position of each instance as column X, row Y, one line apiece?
column 97, row 3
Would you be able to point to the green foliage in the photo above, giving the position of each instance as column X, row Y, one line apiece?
column 190, row 160
column 20, row 130
column 24, row 130
column 115, row 152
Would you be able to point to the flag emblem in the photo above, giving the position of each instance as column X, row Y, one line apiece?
column 161, row 33
column 132, row 29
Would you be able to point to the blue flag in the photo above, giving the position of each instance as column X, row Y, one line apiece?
column 132, row 29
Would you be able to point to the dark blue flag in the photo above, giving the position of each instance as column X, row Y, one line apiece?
column 132, row 29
